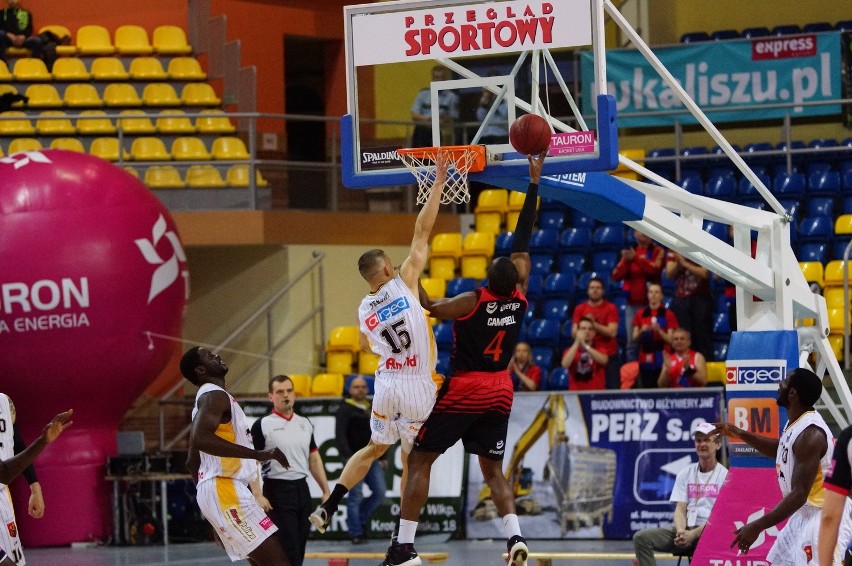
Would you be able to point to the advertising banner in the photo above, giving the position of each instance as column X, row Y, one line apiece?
column 440, row 515
column 724, row 74
column 594, row 465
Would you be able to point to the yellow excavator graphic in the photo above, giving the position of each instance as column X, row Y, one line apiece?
column 582, row 477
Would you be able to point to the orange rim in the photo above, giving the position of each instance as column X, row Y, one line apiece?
column 458, row 153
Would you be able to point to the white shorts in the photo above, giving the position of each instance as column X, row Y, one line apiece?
column 401, row 404
column 240, row 522
column 10, row 542
column 798, row 542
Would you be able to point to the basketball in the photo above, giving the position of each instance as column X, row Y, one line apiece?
column 530, row 134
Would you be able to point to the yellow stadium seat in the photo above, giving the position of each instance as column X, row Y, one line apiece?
column 214, row 122
column 327, row 385
column 95, row 122
column 344, row 339
column 61, row 32
column 55, row 123
column 637, row 155
column 339, row 362
column 160, row 94
column 147, row 69
column 69, row 144
column 229, row 148
column 836, row 320
column 492, row 200
column 843, row 224
column 82, row 95
column 301, row 384
column 447, row 244
column 132, row 170
column 836, row 343
column 516, row 201
column 30, row 69
column 121, row 94
column 70, row 69
column 43, row 96
column 186, row 69
column 488, row 222
column 204, row 177
column 109, row 69
column 174, row 122
column 135, row 122
column 9, row 88
column 15, row 123
column 93, row 39
column 170, row 40
column 813, row 272
column 24, row 144
column 442, row 267
column 834, row 297
column 238, row 176
column 106, row 148
column 368, row 363
column 199, row 94
column 477, row 249
column 833, row 274
column 132, row 40
column 716, row 371
column 435, row 287
column 163, row 177
column 188, row 148
column 5, row 75
column 148, row 148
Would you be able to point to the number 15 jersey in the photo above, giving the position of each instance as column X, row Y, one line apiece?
column 398, row 330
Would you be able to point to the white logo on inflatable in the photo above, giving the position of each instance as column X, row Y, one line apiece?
column 761, row 538
column 24, row 158
column 168, row 271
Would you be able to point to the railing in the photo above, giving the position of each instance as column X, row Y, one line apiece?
column 263, row 314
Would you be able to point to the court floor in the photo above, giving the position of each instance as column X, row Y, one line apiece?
column 461, row 553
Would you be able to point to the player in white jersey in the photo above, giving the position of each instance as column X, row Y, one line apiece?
column 224, row 464
column 395, row 326
column 802, row 460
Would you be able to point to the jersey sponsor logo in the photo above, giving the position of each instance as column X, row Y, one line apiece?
column 408, row 362
column 809, row 552
column 502, row 320
column 13, row 529
column 491, row 307
column 266, row 523
column 751, row 375
column 243, row 527
column 386, row 312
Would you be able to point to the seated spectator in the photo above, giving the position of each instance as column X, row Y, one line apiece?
column 695, row 491
column 585, row 363
column 684, row 367
column 604, row 318
column 17, row 31
column 652, row 331
column 638, row 266
column 526, row 376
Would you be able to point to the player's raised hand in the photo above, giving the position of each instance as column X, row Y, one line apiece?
column 442, row 164
column 55, row 427
column 535, row 166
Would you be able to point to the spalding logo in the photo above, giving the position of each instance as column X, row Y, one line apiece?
column 168, row 270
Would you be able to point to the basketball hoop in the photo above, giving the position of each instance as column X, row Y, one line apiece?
column 463, row 159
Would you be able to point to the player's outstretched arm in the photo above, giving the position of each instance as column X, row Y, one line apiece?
column 766, row 446
column 11, row 468
column 447, row 308
column 414, row 264
column 521, row 239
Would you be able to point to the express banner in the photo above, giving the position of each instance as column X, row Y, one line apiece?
column 724, row 74
column 439, row 516
column 580, row 456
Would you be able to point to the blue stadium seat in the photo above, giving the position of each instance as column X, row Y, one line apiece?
column 557, row 380
column 621, row 304
column 723, row 34
column 716, row 229
column 839, row 246
column 814, row 166
column 723, row 302
column 789, row 185
column 694, row 37
column 544, row 241
column 559, row 285
column 794, row 147
column 580, row 219
column 572, row 262
column 813, row 251
column 443, row 332
column 543, row 332
column 459, row 285
column 786, row 29
column 817, row 27
column 722, row 187
column 754, row 153
column 535, row 284
column 846, row 179
column 820, row 205
column 554, row 219
column 721, row 325
column 605, row 261
column 696, row 157
column 843, row 25
column 565, row 332
column 720, row 350
column 541, row 264
column 846, row 205
column 503, row 244
column 664, row 167
column 749, row 33
column 556, row 309
column 691, row 183
column 826, row 149
column 553, row 204
column 443, row 365
column 825, row 183
column 532, row 311
column 745, row 187
column 609, row 237
column 791, row 207
column 575, row 240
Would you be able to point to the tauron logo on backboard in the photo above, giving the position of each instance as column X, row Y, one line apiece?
column 168, row 270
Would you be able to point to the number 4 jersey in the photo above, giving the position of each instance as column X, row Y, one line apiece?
column 485, row 340
column 398, row 330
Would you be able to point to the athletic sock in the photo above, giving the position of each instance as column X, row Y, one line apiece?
column 407, row 529
column 513, row 528
column 334, row 499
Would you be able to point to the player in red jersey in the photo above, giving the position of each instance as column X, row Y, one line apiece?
column 474, row 404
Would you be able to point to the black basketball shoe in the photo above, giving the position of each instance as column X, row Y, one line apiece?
column 518, row 551
column 401, row 555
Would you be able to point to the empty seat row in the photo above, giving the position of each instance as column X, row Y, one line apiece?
column 761, row 31
column 85, row 95
column 145, row 148
column 198, row 176
column 331, row 384
column 103, row 69
column 98, row 122
column 128, row 39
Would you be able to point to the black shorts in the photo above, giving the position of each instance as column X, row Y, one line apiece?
column 460, row 415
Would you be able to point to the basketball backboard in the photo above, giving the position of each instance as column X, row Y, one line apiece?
column 483, row 63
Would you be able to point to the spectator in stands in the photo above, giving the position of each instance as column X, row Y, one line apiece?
column 585, row 363
column 683, row 367
column 695, row 491
column 526, row 376
column 352, row 432
column 497, row 129
column 604, row 317
column 693, row 303
column 652, row 330
column 17, row 24
column 638, row 266
column 421, row 112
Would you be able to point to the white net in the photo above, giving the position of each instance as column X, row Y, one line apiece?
column 455, row 188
